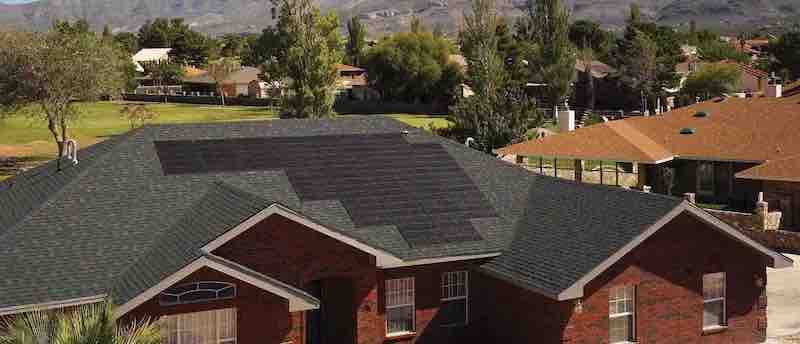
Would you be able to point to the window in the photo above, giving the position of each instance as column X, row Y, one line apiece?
column 400, row 306
column 197, row 292
column 714, row 300
column 622, row 314
column 210, row 327
column 454, row 298
column 705, row 178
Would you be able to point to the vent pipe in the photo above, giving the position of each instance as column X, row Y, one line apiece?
column 71, row 151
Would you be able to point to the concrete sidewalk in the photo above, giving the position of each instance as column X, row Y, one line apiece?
column 783, row 310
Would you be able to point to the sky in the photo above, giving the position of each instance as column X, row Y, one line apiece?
column 15, row 1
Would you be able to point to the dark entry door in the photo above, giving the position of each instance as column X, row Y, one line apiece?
column 335, row 321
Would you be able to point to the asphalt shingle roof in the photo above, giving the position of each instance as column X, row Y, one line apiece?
column 117, row 224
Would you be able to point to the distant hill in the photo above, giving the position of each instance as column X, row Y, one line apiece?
column 384, row 16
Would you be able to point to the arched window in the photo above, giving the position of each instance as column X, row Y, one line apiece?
column 197, row 292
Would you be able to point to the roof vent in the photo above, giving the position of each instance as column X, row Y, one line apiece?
column 701, row 114
column 687, row 131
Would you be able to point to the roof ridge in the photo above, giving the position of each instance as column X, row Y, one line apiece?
column 614, row 126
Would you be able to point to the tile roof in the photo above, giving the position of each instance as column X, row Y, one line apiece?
column 752, row 130
column 748, row 69
column 787, row 170
column 116, row 223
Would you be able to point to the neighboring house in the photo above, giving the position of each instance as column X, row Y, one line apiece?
column 352, row 82
column 367, row 231
column 150, row 55
column 237, row 84
column 753, row 80
column 714, row 149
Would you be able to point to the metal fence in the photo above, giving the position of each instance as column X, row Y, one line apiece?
column 591, row 171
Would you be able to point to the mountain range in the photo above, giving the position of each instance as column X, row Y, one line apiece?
column 385, row 16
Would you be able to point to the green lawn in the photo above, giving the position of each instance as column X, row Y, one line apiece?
column 23, row 137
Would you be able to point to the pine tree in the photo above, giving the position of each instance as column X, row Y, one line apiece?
column 498, row 113
column 356, row 40
column 309, row 64
column 553, row 59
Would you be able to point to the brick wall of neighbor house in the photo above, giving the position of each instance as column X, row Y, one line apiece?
column 261, row 316
column 784, row 196
column 667, row 270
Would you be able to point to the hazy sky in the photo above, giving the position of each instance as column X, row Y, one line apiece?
column 15, row 1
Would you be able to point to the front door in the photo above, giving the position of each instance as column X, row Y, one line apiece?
column 335, row 321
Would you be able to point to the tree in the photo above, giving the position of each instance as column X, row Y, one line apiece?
column 639, row 65
column 57, row 70
column 220, row 70
column 586, row 56
column 155, row 34
column 235, row 45
column 128, row 42
column 588, row 34
column 137, row 114
column 786, row 51
column 356, row 41
column 107, row 35
column 629, row 58
column 497, row 113
column 91, row 323
column 310, row 61
column 414, row 67
column 164, row 73
column 715, row 51
column 551, row 56
column 712, row 80
column 271, row 44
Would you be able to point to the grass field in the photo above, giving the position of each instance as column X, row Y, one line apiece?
column 26, row 138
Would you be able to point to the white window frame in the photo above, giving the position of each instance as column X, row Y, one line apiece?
column 390, row 283
column 631, row 314
column 446, row 297
column 217, row 323
column 700, row 190
column 724, row 316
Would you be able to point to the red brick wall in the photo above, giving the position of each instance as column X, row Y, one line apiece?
column 292, row 253
column 262, row 317
column 789, row 194
column 283, row 249
column 427, row 283
column 667, row 270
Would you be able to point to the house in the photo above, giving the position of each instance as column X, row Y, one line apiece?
column 366, row 231
column 720, row 150
column 236, row 84
column 352, row 83
column 753, row 80
column 150, row 55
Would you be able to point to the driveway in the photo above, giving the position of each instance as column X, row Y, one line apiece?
column 783, row 311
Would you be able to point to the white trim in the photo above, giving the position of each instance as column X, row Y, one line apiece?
column 53, row 304
column 447, row 259
column 295, row 303
column 724, row 315
column 575, row 291
column 382, row 258
column 464, row 297
column 413, row 306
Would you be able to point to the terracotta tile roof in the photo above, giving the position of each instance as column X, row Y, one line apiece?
column 348, row 68
column 781, row 170
column 753, row 130
column 616, row 140
column 747, row 69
